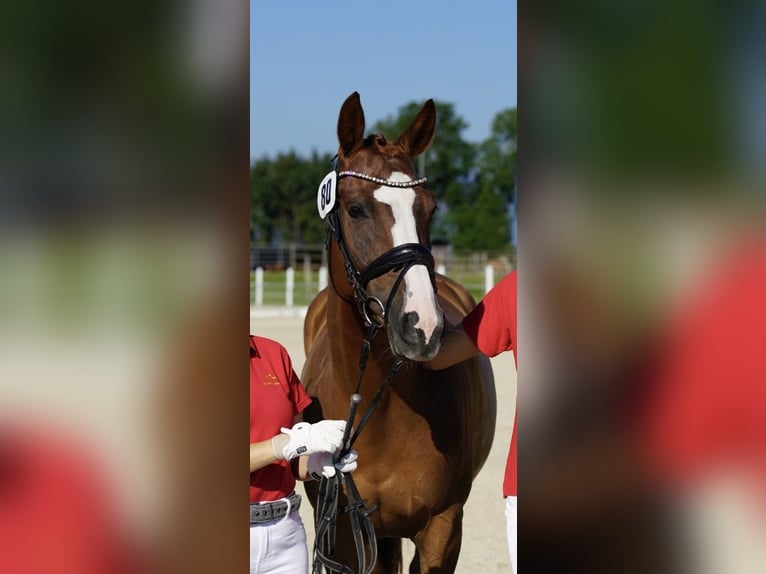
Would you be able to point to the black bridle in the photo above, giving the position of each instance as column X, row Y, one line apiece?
column 401, row 258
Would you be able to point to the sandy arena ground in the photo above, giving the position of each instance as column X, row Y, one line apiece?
column 484, row 546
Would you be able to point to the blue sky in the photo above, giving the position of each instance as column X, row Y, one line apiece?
column 307, row 57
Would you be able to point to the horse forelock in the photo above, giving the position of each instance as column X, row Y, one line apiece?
column 379, row 157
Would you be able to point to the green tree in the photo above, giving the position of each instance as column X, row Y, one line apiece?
column 474, row 184
column 482, row 218
column 482, row 226
column 497, row 156
column 447, row 163
column 263, row 211
column 283, row 197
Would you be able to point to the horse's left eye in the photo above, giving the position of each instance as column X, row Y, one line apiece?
column 356, row 211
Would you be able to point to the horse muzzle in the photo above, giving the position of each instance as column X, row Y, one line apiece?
column 415, row 337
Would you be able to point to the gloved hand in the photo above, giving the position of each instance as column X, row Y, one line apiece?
column 347, row 463
column 306, row 438
column 321, row 465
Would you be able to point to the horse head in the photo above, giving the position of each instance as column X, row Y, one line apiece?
column 382, row 218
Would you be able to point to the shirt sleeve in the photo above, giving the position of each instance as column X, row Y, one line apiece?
column 492, row 324
column 298, row 394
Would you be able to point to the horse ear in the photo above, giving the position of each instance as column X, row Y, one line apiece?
column 420, row 133
column 351, row 124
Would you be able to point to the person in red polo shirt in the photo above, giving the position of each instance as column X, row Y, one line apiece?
column 277, row 439
column 490, row 329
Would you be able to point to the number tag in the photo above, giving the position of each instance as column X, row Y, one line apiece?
column 326, row 194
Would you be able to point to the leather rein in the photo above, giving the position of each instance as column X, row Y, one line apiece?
column 401, row 258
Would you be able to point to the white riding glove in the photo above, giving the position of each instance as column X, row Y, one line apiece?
column 307, row 438
column 347, row 463
column 320, row 464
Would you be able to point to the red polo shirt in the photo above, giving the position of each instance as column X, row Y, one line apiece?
column 276, row 397
column 492, row 328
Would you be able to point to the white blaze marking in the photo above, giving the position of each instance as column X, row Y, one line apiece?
column 419, row 295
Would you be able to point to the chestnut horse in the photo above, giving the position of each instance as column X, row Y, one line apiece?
column 432, row 430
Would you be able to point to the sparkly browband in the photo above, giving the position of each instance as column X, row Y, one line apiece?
column 386, row 182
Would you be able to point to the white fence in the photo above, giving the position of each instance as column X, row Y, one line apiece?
column 283, row 290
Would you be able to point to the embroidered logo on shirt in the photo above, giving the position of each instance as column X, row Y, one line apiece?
column 271, row 380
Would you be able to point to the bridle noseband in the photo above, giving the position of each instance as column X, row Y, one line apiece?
column 400, row 258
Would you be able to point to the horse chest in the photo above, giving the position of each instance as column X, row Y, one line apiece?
column 406, row 496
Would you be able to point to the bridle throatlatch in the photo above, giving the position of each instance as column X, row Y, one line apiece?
column 401, row 258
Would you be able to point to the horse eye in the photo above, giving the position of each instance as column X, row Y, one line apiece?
column 356, row 211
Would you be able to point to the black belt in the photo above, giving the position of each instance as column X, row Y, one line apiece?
column 261, row 512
